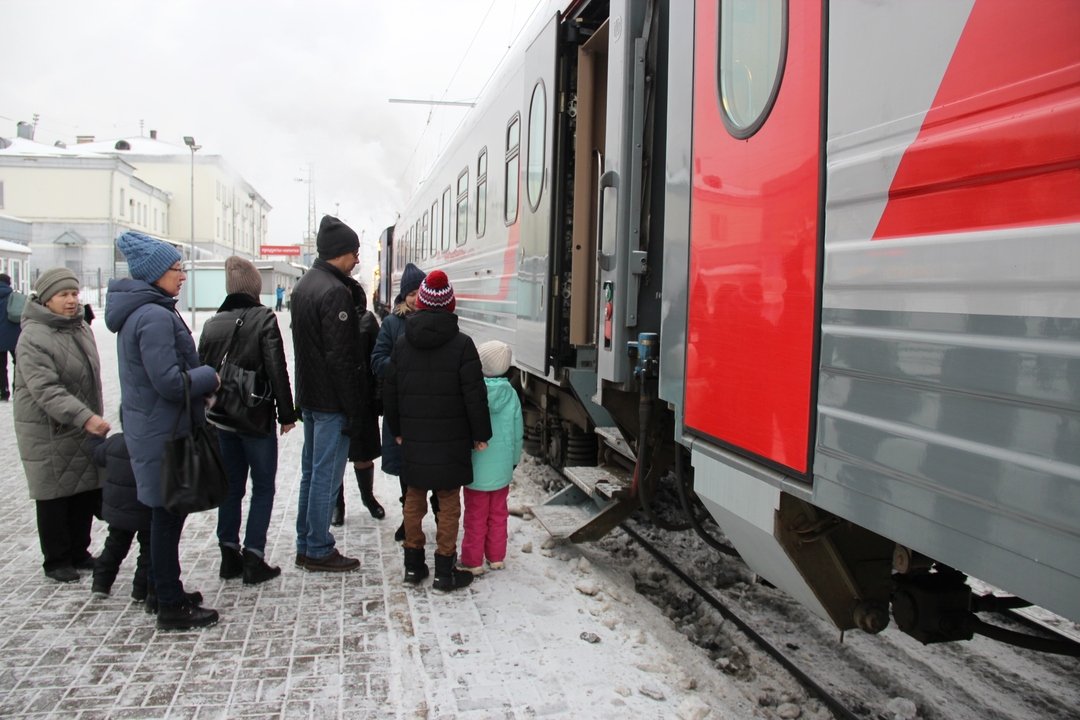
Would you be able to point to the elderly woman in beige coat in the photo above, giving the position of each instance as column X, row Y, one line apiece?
column 57, row 404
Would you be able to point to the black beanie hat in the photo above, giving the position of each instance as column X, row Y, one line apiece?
column 335, row 239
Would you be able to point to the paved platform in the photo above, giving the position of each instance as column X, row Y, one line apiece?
column 353, row 645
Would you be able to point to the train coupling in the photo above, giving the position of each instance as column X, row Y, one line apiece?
column 933, row 607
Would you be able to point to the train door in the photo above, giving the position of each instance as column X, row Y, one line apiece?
column 754, row 227
column 537, row 128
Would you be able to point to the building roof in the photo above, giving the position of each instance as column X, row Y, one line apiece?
column 24, row 147
column 139, row 145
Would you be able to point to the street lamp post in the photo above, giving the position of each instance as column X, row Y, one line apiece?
column 190, row 142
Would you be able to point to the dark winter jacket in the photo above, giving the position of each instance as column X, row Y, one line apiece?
column 154, row 347
column 57, row 389
column 435, row 399
column 9, row 331
column 326, row 343
column 120, row 506
column 257, row 347
column 393, row 325
column 365, row 445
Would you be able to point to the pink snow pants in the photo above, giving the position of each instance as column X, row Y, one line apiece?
column 485, row 527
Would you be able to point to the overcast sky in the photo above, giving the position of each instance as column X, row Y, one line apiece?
column 271, row 85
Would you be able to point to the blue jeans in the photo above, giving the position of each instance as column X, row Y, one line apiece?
column 322, row 465
column 240, row 454
column 165, row 529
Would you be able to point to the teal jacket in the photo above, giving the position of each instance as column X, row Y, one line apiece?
column 493, row 467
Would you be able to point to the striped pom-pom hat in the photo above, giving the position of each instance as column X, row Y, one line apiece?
column 436, row 293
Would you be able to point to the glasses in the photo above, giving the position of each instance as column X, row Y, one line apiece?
column 176, row 269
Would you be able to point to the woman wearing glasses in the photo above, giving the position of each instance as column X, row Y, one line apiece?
column 154, row 352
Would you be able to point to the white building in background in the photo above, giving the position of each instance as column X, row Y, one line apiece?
column 77, row 199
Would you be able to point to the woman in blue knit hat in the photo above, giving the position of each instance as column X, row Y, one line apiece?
column 155, row 351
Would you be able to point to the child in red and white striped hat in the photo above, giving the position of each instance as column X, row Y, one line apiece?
column 436, row 293
column 436, row 408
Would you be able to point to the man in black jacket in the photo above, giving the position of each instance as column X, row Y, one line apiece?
column 326, row 342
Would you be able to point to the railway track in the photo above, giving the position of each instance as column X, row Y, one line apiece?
column 852, row 676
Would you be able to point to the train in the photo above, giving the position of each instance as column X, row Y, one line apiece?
column 818, row 262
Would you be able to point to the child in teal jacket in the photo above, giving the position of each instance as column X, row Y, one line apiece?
column 485, row 499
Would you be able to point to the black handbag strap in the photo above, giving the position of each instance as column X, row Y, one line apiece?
column 232, row 339
column 187, row 404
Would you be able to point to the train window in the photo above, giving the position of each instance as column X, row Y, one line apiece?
column 534, row 167
column 753, row 47
column 481, row 193
column 513, row 148
column 462, row 206
column 433, row 239
column 421, row 234
column 448, row 219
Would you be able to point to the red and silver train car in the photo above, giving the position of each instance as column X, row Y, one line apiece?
column 824, row 256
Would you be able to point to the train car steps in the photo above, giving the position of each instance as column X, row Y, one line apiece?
column 597, row 500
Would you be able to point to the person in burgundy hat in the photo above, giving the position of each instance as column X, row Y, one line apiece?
column 435, row 404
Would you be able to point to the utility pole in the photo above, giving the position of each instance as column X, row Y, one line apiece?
column 309, row 236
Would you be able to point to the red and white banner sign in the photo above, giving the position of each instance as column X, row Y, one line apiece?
column 293, row 250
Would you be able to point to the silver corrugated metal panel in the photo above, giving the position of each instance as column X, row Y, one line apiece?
column 958, row 435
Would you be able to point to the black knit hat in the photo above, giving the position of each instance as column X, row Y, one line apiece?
column 335, row 239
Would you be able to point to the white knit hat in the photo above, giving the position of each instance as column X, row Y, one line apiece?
column 494, row 358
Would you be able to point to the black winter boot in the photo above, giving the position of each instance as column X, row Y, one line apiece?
column 141, row 582
column 447, row 577
column 416, row 568
column 337, row 519
column 256, row 570
column 365, row 480
column 185, row 616
column 232, row 562
column 117, row 543
column 191, row 598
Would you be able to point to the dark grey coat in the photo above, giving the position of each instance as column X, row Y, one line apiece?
column 57, row 389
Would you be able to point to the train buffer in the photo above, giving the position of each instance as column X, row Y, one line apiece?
column 596, row 500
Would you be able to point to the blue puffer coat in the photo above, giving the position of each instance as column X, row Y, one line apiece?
column 393, row 325
column 492, row 468
column 154, row 346
column 9, row 331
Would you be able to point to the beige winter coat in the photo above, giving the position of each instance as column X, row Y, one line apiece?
column 57, row 389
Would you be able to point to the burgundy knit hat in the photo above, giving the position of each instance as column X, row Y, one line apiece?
column 436, row 293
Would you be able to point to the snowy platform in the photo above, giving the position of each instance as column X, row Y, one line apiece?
column 551, row 636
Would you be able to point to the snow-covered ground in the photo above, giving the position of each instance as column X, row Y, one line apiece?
column 591, row 631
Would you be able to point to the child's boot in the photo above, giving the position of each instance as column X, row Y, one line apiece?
column 107, row 564
column 416, row 568
column 447, row 577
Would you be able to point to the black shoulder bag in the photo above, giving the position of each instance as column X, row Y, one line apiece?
column 192, row 474
column 243, row 402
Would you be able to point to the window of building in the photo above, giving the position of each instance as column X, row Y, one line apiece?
column 481, row 193
column 753, row 46
column 510, row 177
column 534, row 166
column 123, row 202
column 462, row 206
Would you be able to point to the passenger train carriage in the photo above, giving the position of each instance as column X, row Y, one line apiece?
column 822, row 256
